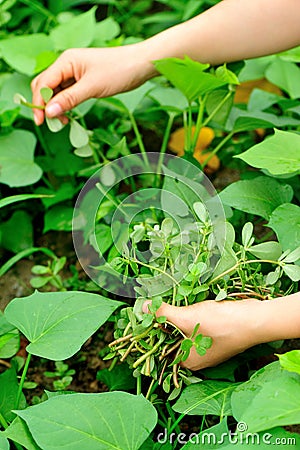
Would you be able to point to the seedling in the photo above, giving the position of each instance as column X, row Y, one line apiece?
column 64, row 375
column 49, row 274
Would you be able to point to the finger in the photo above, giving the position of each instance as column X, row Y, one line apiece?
column 68, row 98
column 59, row 73
column 174, row 314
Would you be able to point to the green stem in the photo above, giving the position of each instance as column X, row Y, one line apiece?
column 199, row 124
column 114, row 362
column 24, row 373
column 185, row 126
column 172, row 415
column 139, row 385
column 208, row 119
column 39, row 8
column 157, row 269
column 145, row 355
column 149, row 392
column 176, row 423
column 165, row 141
column 3, row 422
column 189, row 129
column 139, row 139
column 241, row 263
column 32, row 106
column 218, row 147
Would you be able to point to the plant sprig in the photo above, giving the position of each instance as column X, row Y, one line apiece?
column 154, row 347
column 79, row 136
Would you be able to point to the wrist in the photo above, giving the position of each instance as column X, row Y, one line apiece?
column 280, row 318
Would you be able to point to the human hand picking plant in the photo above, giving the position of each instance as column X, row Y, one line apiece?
column 234, row 326
column 80, row 74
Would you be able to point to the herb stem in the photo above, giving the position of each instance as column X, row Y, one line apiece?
column 23, row 377
column 155, row 268
column 139, row 385
column 145, row 355
column 139, row 138
column 153, row 382
column 241, row 263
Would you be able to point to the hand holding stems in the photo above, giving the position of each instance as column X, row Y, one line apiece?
column 234, row 326
column 229, row 31
column 80, row 74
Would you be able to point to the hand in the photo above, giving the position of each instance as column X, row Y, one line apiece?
column 233, row 326
column 80, row 74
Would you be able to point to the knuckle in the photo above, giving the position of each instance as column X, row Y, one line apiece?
column 69, row 100
column 67, row 54
column 34, row 83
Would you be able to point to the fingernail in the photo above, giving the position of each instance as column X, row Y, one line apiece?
column 53, row 110
column 36, row 120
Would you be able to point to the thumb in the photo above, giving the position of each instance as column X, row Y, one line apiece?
column 174, row 314
column 67, row 99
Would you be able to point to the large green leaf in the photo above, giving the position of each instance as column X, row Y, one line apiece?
column 20, row 83
column 285, row 75
column 105, row 30
column 240, row 120
column 209, row 439
column 285, row 221
column 16, row 242
column 258, row 196
column 23, row 53
column 279, row 154
column 58, row 218
column 290, row 361
column 19, row 432
column 77, row 32
column 189, row 77
column 4, row 444
column 207, row 397
column 16, row 159
column 58, row 323
column 8, row 394
column 260, row 100
column 270, row 398
column 131, row 100
column 110, row 420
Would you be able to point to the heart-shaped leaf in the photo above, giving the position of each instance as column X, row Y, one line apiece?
column 58, row 323
column 110, row 420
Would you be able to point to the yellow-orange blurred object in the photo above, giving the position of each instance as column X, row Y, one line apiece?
column 244, row 90
column 206, row 135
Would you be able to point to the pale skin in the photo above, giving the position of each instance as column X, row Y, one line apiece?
column 230, row 31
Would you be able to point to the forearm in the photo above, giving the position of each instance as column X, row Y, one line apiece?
column 279, row 318
column 230, row 31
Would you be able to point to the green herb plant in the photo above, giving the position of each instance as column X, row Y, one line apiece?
column 63, row 374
